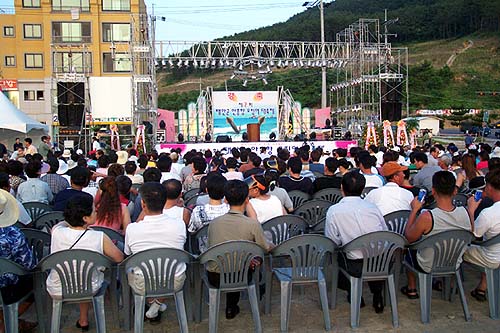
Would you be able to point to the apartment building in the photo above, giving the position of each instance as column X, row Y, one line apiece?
column 62, row 61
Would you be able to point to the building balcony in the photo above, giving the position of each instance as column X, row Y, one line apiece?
column 71, row 39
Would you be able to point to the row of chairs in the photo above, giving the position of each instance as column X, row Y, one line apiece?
column 311, row 260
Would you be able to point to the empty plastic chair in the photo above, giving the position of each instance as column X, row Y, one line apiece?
column 159, row 267
column 281, row 228
column 11, row 311
column 47, row 220
column 307, row 255
column 378, row 250
column 39, row 242
column 36, row 209
column 298, row 197
column 334, row 195
column 448, row 248
column 314, row 212
column 233, row 260
column 75, row 269
column 397, row 221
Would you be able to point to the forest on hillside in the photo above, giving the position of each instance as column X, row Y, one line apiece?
column 419, row 20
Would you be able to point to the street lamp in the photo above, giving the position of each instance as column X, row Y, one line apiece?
column 310, row 4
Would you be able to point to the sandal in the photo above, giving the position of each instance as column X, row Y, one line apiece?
column 410, row 293
column 479, row 295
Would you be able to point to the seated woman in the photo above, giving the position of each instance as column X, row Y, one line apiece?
column 111, row 213
column 262, row 206
column 14, row 247
column 74, row 233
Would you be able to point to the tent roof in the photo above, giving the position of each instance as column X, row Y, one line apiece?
column 14, row 119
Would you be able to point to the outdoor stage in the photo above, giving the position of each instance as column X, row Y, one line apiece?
column 271, row 146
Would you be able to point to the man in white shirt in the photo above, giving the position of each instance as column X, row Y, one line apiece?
column 391, row 197
column 164, row 163
column 487, row 225
column 155, row 231
column 351, row 218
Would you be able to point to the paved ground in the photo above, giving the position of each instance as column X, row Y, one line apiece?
column 307, row 317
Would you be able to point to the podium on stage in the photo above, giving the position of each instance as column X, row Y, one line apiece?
column 253, row 131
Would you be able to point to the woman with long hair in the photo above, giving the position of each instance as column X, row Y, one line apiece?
column 271, row 176
column 262, row 206
column 468, row 172
column 111, row 213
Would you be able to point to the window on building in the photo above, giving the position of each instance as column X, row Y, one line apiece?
column 118, row 5
column 33, row 60
column 115, row 32
column 10, row 61
column 83, row 5
column 29, row 95
column 34, row 95
column 119, row 63
column 72, row 62
column 32, row 31
column 71, row 32
column 31, row 3
column 8, row 31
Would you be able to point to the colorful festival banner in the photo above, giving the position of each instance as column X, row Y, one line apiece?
column 140, row 139
column 371, row 135
column 233, row 110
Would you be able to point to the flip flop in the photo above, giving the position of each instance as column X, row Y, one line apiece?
column 410, row 293
column 479, row 295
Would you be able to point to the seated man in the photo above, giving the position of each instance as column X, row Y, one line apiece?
column 391, row 197
column 444, row 217
column 155, row 231
column 79, row 179
column 351, row 218
column 329, row 180
column 295, row 181
column 487, row 225
column 423, row 178
column 233, row 225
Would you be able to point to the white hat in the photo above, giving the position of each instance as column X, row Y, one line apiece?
column 79, row 152
column 63, row 168
column 66, row 153
column 495, row 152
column 122, row 157
column 72, row 164
column 9, row 209
column 133, row 158
column 396, row 148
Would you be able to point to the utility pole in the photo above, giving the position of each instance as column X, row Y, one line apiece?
column 310, row 4
column 323, row 61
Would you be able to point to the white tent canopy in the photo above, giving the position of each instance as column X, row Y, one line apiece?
column 12, row 118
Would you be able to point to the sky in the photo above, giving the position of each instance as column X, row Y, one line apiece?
column 202, row 20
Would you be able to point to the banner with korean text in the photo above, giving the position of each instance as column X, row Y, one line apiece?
column 233, row 110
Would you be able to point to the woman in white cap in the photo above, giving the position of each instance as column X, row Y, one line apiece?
column 14, row 247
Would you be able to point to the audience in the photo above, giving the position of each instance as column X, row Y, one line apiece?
column 294, row 181
column 34, row 189
column 262, row 205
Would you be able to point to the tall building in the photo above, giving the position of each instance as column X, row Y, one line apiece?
column 78, row 64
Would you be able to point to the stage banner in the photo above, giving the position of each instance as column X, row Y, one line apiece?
column 271, row 147
column 233, row 110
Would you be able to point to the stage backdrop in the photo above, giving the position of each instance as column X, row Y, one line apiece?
column 271, row 147
column 233, row 110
